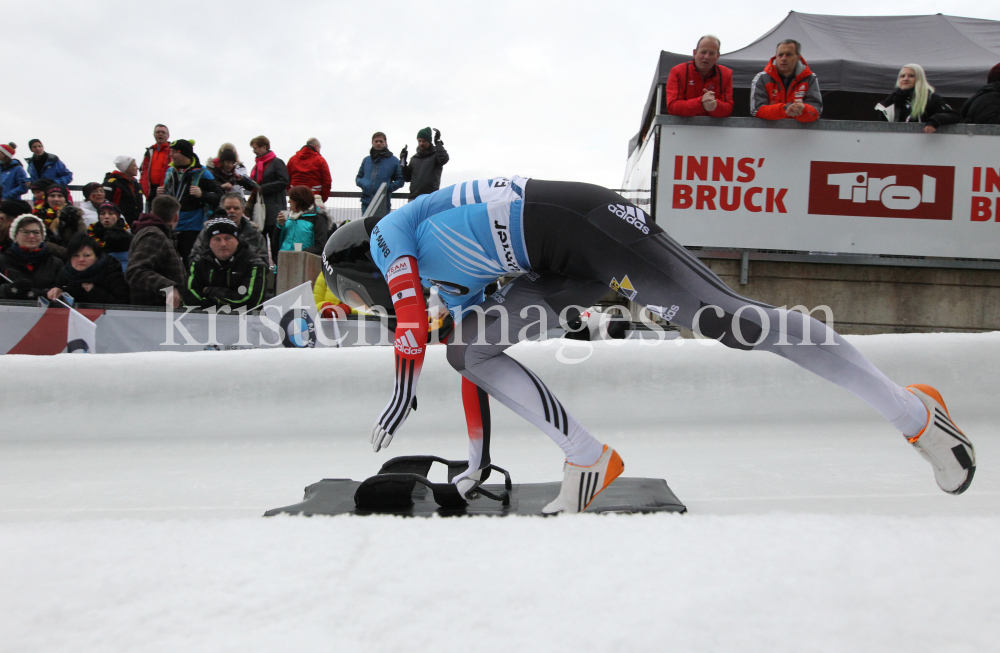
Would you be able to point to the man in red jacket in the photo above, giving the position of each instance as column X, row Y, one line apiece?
column 786, row 88
column 701, row 87
column 154, row 164
column 308, row 168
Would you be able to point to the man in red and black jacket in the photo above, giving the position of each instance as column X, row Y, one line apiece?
column 786, row 88
column 154, row 164
column 701, row 87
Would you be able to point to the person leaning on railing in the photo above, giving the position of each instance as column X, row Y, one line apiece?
column 983, row 108
column 914, row 100
column 701, row 87
column 786, row 88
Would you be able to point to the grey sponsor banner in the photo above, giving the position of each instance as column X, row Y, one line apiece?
column 123, row 331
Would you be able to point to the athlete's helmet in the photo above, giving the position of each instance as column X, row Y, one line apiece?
column 350, row 272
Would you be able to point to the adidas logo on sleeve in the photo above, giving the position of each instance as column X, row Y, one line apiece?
column 407, row 344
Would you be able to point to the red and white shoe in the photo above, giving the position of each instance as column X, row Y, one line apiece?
column 581, row 484
column 943, row 444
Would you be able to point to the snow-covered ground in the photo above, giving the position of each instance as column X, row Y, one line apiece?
column 131, row 490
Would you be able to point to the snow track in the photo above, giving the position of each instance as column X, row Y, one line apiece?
column 131, row 489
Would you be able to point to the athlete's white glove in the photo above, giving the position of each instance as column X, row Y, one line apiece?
column 388, row 423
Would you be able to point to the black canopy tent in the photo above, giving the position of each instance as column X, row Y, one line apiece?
column 857, row 59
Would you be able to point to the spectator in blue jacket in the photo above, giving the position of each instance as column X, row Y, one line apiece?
column 379, row 166
column 195, row 188
column 43, row 165
column 13, row 179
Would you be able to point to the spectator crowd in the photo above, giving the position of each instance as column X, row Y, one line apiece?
column 173, row 229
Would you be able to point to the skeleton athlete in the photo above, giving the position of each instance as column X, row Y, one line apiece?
column 566, row 243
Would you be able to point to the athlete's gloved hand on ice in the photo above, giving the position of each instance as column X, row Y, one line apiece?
column 386, row 426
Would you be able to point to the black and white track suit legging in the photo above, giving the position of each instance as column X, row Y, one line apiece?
column 580, row 239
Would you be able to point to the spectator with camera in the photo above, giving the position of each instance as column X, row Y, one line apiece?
column 232, row 206
column 28, row 264
column 112, row 233
column 914, row 100
column 229, row 171
column 90, row 276
column 13, row 178
column 380, row 166
column 155, row 273
column 423, row 171
column 228, row 273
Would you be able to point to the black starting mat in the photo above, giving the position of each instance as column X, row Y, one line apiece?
column 401, row 488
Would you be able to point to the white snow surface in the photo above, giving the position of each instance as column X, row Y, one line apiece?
column 132, row 488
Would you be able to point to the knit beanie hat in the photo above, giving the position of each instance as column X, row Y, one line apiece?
column 90, row 188
column 8, row 149
column 183, row 146
column 109, row 206
column 217, row 226
column 59, row 188
column 14, row 207
column 425, row 134
column 227, row 155
column 994, row 75
column 123, row 162
column 27, row 216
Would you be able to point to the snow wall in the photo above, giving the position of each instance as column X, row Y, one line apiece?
column 617, row 388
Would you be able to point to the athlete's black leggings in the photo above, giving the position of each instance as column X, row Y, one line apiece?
column 581, row 240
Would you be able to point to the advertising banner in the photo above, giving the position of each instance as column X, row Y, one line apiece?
column 857, row 192
column 48, row 331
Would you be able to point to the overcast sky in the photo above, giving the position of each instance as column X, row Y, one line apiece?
column 542, row 89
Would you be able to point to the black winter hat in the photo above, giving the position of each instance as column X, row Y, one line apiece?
column 90, row 188
column 14, row 208
column 227, row 155
column 183, row 146
column 217, row 226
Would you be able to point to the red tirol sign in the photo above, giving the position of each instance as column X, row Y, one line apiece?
column 881, row 190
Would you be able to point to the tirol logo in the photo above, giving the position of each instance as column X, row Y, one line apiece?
column 624, row 288
column 881, row 190
column 631, row 215
column 299, row 329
